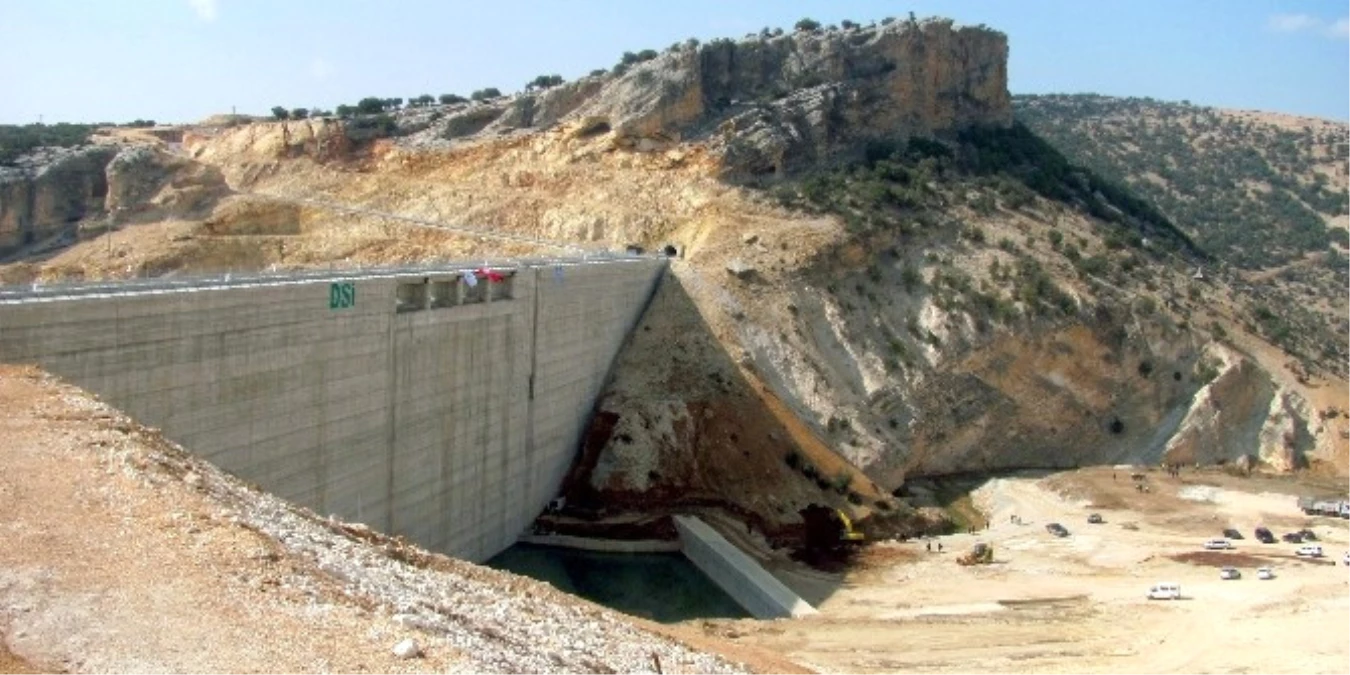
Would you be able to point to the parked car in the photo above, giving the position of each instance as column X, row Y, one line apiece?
column 1056, row 529
column 1218, row 544
column 1165, row 591
column 1309, row 551
column 1232, row 533
column 1230, row 573
column 1095, row 519
column 1264, row 536
column 1264, row 573
column 1308, row 535
column 1292, row 537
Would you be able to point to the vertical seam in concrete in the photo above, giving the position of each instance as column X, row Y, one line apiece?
column 391, row 419
column 503, row 531
column 530, row 438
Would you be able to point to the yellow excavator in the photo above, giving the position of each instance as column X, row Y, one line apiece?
column 829, row 528
column 980, row 554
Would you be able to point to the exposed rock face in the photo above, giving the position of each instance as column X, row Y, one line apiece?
column 768, row 105
column 50, row 191
column 1242, row 411
column 772, row 104
column 779, row 103
column 265, row 145
column 1284, row 437
column 145, row 180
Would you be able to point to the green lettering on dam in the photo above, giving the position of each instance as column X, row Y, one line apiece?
column 341, row 295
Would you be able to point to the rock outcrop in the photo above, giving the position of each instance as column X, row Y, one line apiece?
column 147, row 181
column 766, row 105
column 50, row 191
column 778, row 103
column 53, row 190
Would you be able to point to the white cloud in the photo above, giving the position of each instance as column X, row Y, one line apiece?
column 205, row 9
column 320, row 68
column 1292, row 23
column 1340, row 28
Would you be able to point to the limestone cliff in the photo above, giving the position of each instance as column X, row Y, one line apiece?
column 49, row 192
column 53, row 191
column 765, row 105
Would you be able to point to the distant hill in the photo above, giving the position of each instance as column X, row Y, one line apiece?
column 1257, row 190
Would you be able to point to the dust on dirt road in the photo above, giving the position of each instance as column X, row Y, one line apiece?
column 1077, row 603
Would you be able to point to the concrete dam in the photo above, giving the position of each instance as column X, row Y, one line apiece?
column 436, row 403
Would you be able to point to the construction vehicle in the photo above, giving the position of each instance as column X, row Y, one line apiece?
column 828, row 529
column 979, row 554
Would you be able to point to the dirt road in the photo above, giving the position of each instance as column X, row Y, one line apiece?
column 1077, row 604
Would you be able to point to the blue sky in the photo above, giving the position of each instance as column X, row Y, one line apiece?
column 181, row 60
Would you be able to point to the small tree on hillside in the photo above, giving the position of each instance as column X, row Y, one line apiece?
column 807, row 25
column 486, row 94
column 345, row 111
column 544, row 82
column 299, row 114
column 280, row 113
column 448, row 99
column 370, row 105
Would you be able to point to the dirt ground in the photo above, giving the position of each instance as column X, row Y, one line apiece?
column 110, row 564
column 1078, row 604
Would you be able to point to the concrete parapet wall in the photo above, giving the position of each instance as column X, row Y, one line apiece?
column 742, row 578
column 450, row 425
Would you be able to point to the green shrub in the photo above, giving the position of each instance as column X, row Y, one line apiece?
column 807, row 24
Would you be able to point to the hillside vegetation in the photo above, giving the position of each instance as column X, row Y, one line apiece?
column 18, row 140
column 1264, row 193
column 1256, row 193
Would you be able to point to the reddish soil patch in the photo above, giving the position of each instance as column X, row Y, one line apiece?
column 1234, row 559
column 12, row 663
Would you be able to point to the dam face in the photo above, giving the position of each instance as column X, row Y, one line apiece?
column 404, row 399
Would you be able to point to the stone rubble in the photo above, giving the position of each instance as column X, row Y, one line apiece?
column 498, row 622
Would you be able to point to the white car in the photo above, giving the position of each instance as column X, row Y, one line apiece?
column 1165, row 591
column 1264, row 573
column 1230, row 573
column 1218, row 544
column 1309, row 551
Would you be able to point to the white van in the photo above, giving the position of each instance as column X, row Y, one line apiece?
column 1309, row 551
column 1165, row 591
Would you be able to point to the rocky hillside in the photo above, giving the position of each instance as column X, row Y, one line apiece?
column 1266, row 194
column 881, row 275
